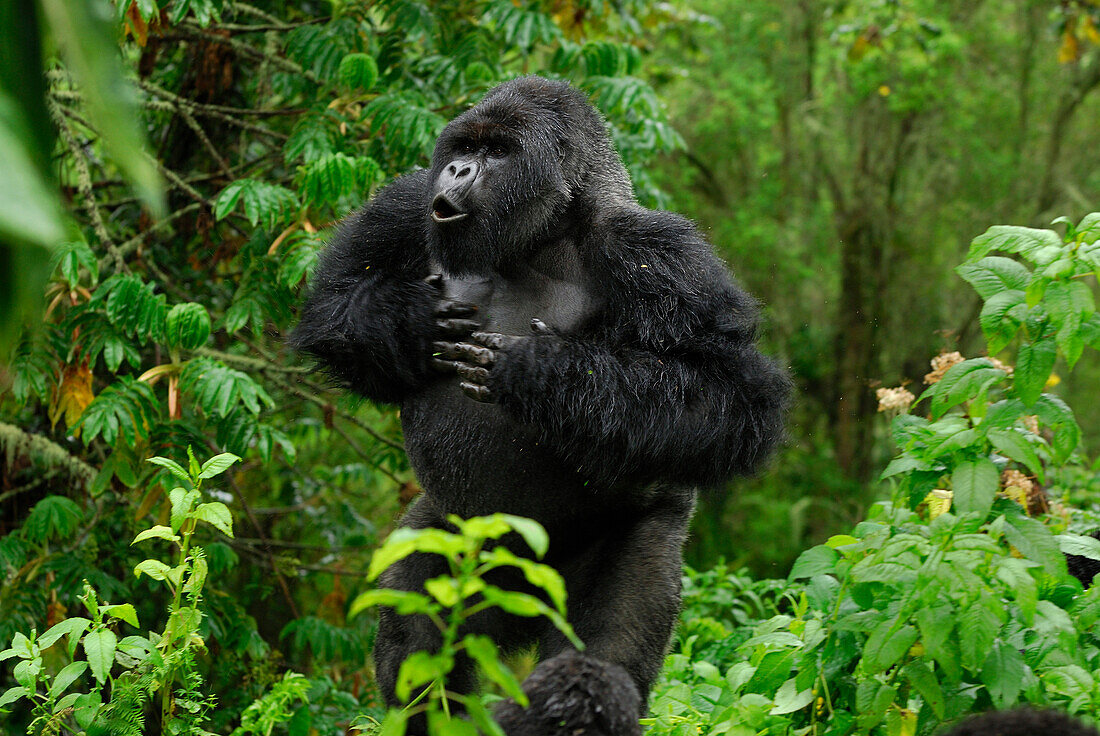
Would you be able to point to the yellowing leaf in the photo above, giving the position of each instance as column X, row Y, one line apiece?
column 1069, row 51
column 73, row 394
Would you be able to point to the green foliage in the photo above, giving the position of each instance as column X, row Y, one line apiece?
column 449, row 600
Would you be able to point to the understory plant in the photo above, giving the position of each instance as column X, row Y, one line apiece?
column 449, row 600
column 954, row 596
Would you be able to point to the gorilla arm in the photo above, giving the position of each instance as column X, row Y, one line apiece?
column 371, row 313
column 667, row 384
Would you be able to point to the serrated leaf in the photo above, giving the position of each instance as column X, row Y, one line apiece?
column 993, row 275
column 1041, row 247
column 67, row 676
column 975, row 484
column 187, row 326
column 99, row 648
column 216, row 514
column 123, row 612
column 73, row 627
column 886, row 645
column 1015, row 446
column 1034, row 364
column 218, row 464
column 153, row 568
column 156, row 532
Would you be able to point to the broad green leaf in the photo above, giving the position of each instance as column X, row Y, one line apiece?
column 418, row 669
column 788, row 698
column 13, row 694
column 1034, row 364
column 123, row 612
column 887, row 643
column 975, row 484
column 28, row 204
column 542, row 576
column 73, row 628
column 172, row 466
column 994, row 274
column 532, row 532
column 1000, row 317
column 1041, row 247
column 1015, row 446
column 483, row 651
column 1035, row 542
column 99, row 648
column 153, row 568
column 216, row 514
column 1003, row 674
column 404, row 542
column 67, row 676
column 923, row 680
column 819, row 560
column 218, row 464
column 773, row 670
column 402, row 601
column 1077, row 544
column 183, row 501
column 962, row 382
column 358, row 72
column 156, row 532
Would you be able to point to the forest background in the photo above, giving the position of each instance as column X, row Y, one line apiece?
column 170, row 201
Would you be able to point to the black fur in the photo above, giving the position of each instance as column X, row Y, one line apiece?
column 611, row 357
column 1022, row 722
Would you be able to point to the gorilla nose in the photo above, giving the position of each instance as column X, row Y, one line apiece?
column 463, row 170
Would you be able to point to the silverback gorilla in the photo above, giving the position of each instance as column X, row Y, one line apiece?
column 557, row 352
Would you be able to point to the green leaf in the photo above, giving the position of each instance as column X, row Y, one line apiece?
column 542, row 576
column 52, row 518
column 266, row 205
column 788, row 698
column 172, row 466
column 1077, row 544
column 216, row 514
column 123, row 612
column 532, row 532
column 404, row 542
column 1034, row 364
column 819, row 560
column 774, row 669
column 421, row 668
column 153, row 568
column 218, row 464
column 483, row 651
column 993, row 275
column 183, row 501
column 73, row 627
column 887, row 644
column 1000, row 317
column 402, row 601
column 1035, row 542
column 187, row 326
column 975, row 484
column 13, row 694
column 394, row 723
column 99, row 648
column 1015, row 446
column 67, row 676
column 924, row 682
column 1003, row 674
column 962, row 382
column 156, row 532
column 1041, row 247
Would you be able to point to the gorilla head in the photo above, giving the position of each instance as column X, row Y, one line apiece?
column 505, row 173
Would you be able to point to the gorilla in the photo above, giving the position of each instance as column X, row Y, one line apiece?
column 1022, row 722
column 558, row 352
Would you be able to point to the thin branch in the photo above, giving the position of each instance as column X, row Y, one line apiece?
column 247, row 361
column 129, row 246
column 329, row 406
column 170, row 102
column 84, row 181
column 244, row 49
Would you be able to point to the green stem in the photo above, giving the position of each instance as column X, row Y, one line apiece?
column 177, row 594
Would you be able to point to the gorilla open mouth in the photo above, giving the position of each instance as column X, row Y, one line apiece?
column 443, row 210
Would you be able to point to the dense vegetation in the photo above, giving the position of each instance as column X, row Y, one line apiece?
column 161, row 209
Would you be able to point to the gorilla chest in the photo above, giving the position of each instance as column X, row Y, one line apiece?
column 508, row 304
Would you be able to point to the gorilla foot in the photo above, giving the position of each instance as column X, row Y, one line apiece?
column 574, row 695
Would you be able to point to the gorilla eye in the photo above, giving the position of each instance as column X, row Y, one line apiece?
column 466, row 147
column 498, row 150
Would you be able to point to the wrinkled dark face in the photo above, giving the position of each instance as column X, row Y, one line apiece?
column 501, row 182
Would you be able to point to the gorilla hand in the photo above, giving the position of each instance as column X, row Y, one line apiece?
column 476, row 358
column 451, row 323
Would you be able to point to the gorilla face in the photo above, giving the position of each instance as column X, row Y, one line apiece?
column 506, row 172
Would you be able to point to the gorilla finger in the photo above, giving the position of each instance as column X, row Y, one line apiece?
column 446, row 351
column 455, row 309
column 434, row 280
column 473, row 373
column 457, row 327
column 475, row 354
column 492, row 340
column 539, row 327
column 443, row 366
column 476, row 392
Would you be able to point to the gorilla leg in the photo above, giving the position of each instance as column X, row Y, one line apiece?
column 624, row 594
